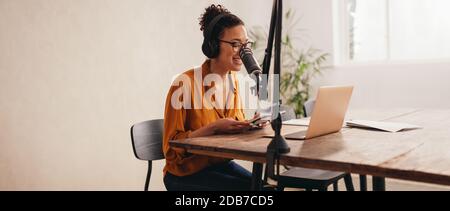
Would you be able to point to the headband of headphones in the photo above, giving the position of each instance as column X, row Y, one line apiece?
column 210, row 28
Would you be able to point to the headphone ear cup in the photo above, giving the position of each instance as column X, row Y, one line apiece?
column 215, row 48
column 210, row 49
column 206, row 49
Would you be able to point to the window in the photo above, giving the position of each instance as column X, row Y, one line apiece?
column 386, row 30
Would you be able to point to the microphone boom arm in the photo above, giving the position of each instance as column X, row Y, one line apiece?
column 278, row 144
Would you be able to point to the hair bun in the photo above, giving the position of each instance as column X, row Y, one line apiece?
column 209, row 14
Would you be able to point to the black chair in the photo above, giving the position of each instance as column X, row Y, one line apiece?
column 308, row 108
column 310, row 179
column 146, row 138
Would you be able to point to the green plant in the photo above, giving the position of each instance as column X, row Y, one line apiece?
column 298, row 66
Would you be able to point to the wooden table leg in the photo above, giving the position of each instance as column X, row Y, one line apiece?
column 257, row 176
column 379, row 183
column 362, row 182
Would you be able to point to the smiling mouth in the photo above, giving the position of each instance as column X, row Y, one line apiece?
column 238, row 60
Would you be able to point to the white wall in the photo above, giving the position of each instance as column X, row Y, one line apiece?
column 413, row 85
column 418, row 84
column 316, row 24
column 76, row 74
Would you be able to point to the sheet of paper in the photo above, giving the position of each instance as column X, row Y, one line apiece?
column 385, row 126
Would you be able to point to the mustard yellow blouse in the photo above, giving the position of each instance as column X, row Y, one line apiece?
column 180, row 122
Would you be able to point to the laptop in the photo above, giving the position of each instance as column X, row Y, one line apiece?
column 328, row 114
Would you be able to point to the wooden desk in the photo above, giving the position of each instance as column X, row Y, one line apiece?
column 419, row 155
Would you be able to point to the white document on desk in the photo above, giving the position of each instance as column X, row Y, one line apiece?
column 297, row 122
column 384, row 126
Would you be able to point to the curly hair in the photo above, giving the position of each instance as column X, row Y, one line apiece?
column 229, row 20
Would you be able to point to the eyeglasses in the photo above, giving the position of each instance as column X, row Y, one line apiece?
column 236, row 45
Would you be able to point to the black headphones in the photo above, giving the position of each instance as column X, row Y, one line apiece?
column 211, row 47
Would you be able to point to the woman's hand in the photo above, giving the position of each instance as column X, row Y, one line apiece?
column 221, row 126
column 230, row 125
column 260, row 124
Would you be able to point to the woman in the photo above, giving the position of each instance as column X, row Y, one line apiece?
column 224, row 35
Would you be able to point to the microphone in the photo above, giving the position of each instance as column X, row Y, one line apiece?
column 252, row 67
column 249, row 61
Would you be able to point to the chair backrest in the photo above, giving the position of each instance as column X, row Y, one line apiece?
column 308, row 107
column 146, row 138
column 289, row 113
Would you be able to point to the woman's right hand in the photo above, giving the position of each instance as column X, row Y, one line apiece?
column 230, row 125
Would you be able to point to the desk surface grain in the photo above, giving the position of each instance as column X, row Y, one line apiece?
column 419, row 155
